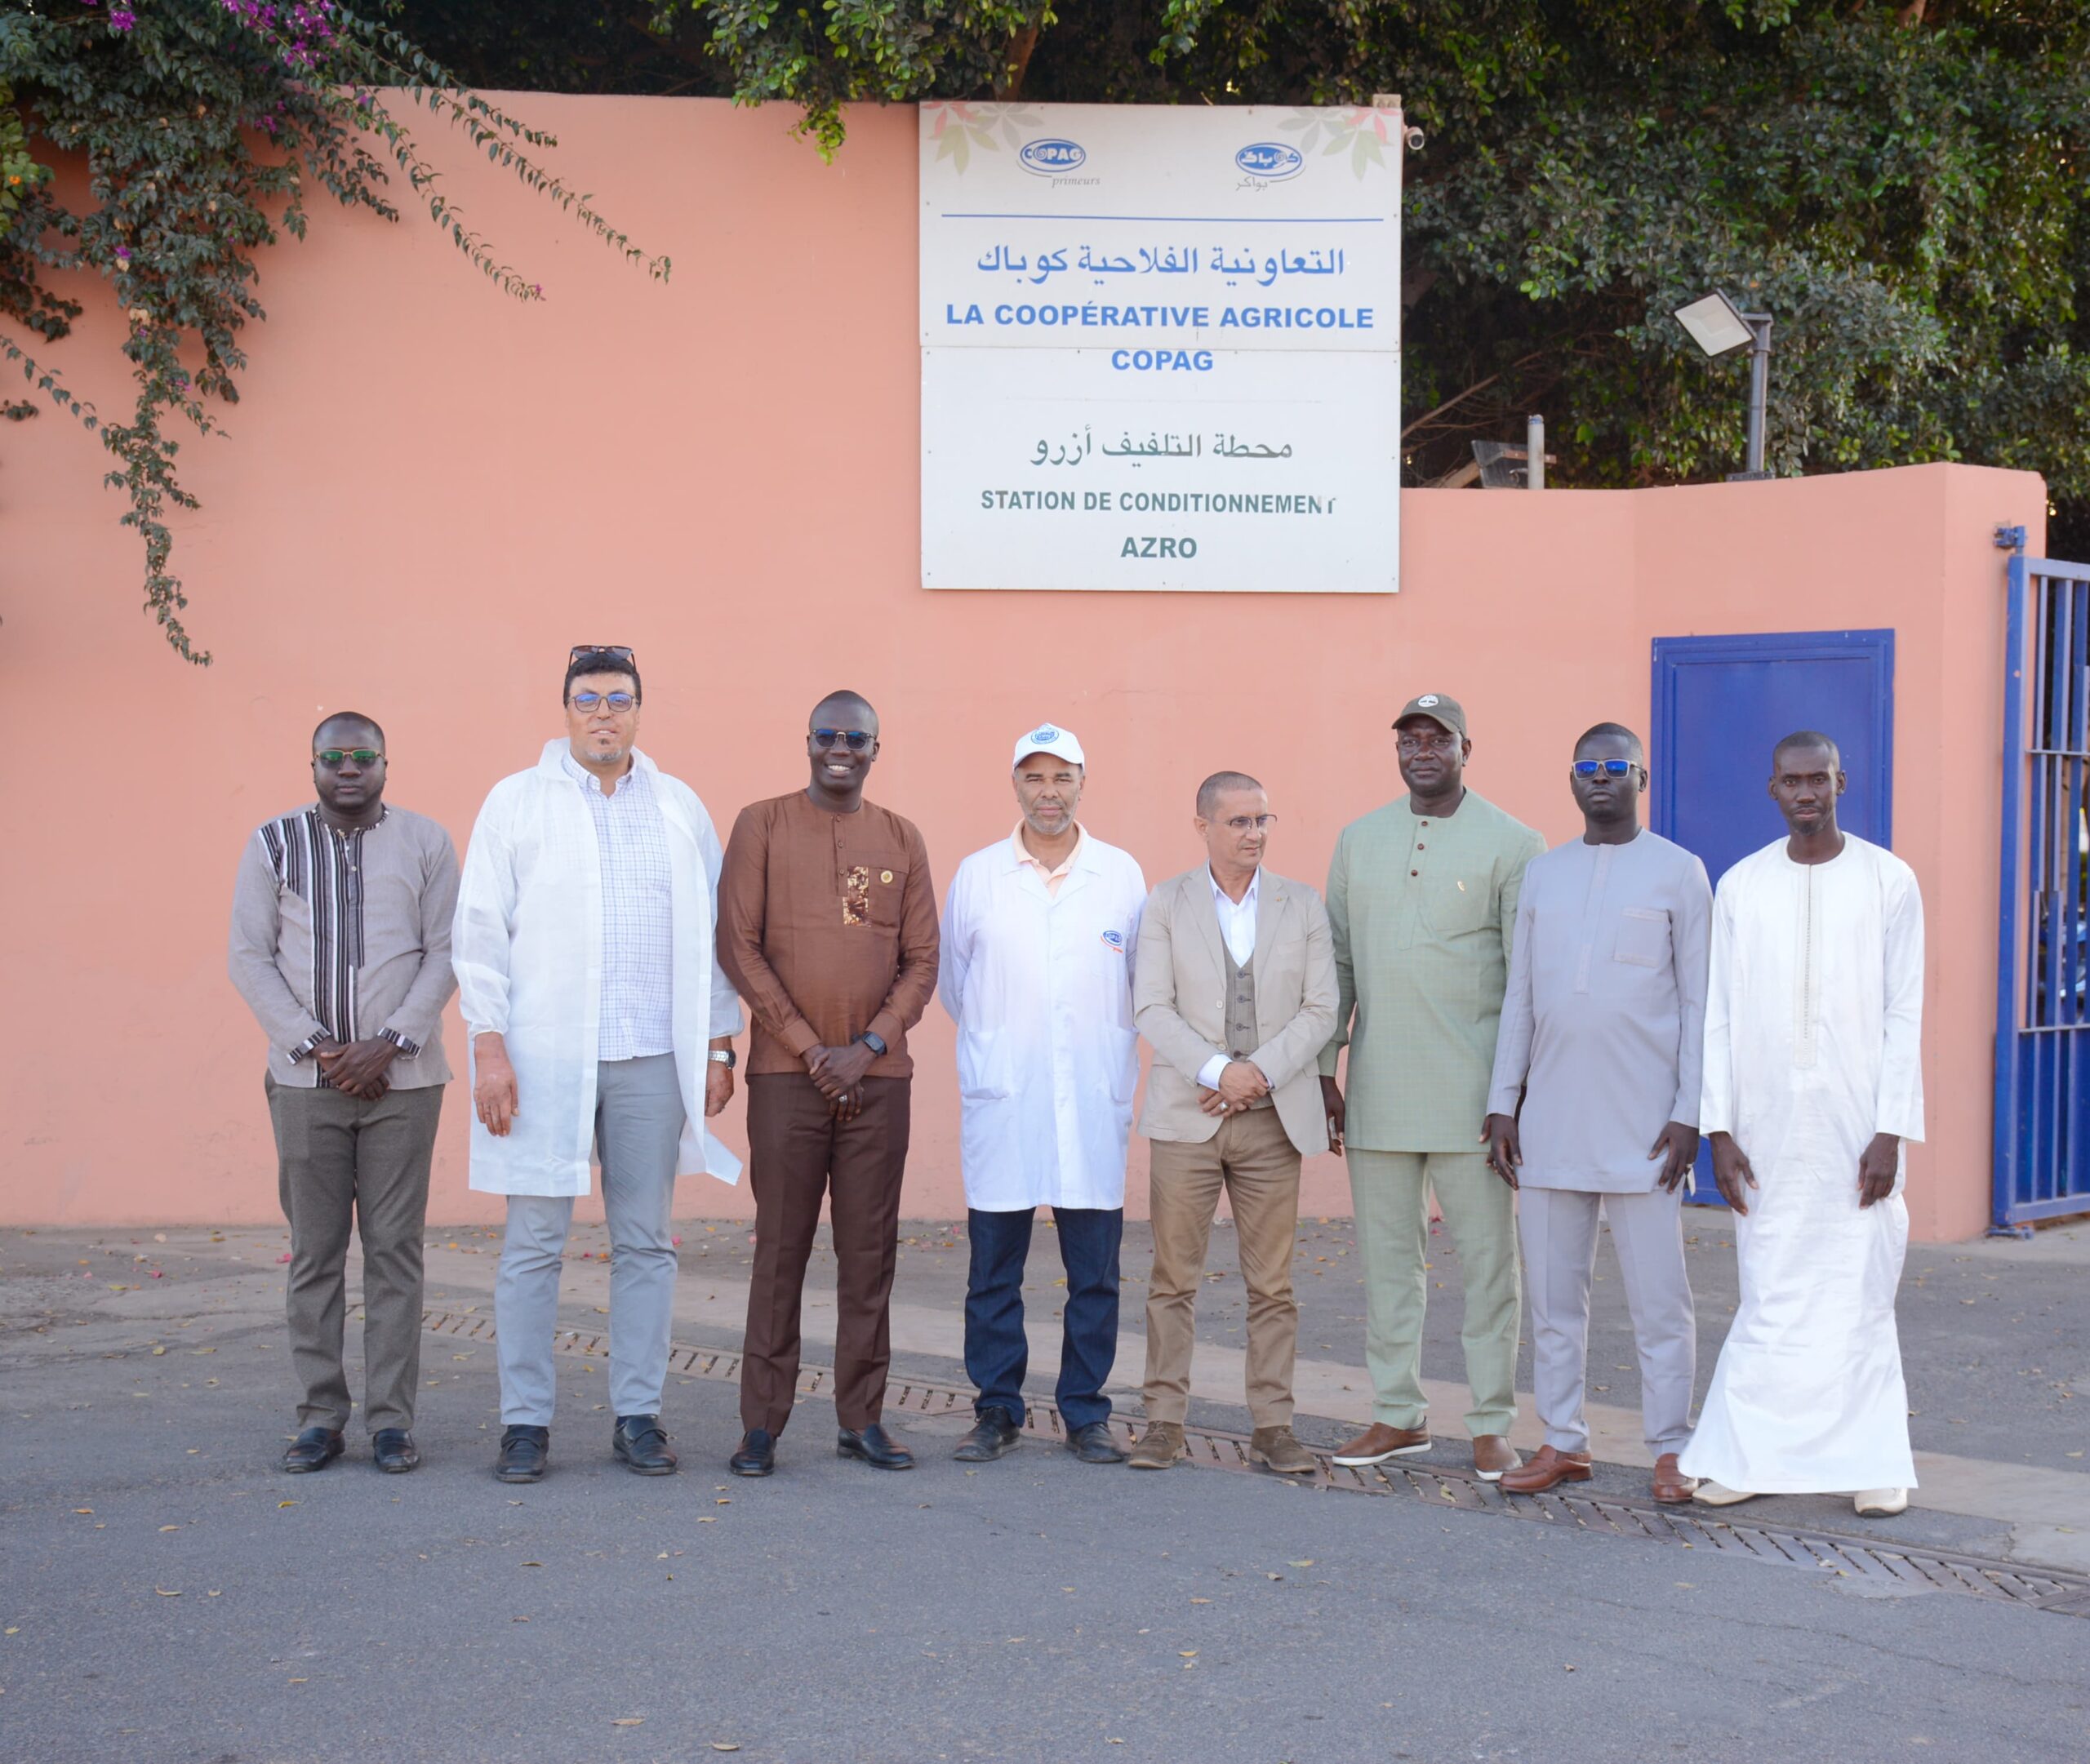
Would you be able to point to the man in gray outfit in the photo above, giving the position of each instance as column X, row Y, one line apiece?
column 1602, row 1033
column 340, row 946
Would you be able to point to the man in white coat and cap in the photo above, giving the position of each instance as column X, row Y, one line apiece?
column 1813, row 1085
column 587, row 974
column 1039, row 933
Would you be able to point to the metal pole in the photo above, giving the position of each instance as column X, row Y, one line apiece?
column 1759, row 383
column 1534, row 453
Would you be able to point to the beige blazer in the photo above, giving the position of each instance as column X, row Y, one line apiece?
column 1179, row 1002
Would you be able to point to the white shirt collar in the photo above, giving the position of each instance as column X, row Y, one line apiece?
column 1247, row 901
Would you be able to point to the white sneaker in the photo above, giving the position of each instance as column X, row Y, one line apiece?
column 1882, row 1503
column 1711, row 1494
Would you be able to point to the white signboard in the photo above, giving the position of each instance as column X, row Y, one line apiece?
column 1160, row 348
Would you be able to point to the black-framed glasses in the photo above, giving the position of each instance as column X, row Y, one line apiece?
column 857, row 740
column 332, row 757
column 615, row 651
column 1610, row 768
column 619, row 702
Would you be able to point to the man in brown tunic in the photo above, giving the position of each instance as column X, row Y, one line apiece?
column 827, row 926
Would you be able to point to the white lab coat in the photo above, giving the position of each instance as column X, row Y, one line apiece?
column 527, row 947
column 1041, row 988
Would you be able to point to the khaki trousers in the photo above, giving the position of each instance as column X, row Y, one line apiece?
column 1390, row 1191
column 1258, row 1167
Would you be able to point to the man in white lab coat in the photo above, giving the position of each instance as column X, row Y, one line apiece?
column 587, row 974
column 1039, row 933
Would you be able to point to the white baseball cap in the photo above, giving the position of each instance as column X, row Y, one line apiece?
column 1047, row 738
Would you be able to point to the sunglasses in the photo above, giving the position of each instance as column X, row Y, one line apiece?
column 1610, row 768
column 616, row 701
column 332, row 757
column 857, row 738
column 616, row 650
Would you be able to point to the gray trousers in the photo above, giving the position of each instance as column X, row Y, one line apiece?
column 638, row 1124
column 1558, row 1227
column 339, row 1161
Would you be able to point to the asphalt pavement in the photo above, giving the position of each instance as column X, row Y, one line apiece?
column 168, row 1595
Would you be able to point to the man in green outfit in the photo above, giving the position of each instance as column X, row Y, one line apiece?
column 1422, row 898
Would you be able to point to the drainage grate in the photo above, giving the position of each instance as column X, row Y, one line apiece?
column 1854, row 1557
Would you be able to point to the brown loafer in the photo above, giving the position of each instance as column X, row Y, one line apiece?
column 1673, row 1488
column 1493, row 1457
column 1548, row 1468
column 1379, row 1442
column 1159, row 1447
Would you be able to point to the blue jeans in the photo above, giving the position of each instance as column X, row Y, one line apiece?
column 997, row 1355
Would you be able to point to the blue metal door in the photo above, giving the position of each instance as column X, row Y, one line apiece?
column 2042, row 972
column 1721, row 704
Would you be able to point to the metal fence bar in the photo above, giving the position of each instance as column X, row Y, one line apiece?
column 2042, row 979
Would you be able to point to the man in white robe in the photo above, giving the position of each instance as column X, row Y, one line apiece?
column 1812, row 1083
column 1040, row 932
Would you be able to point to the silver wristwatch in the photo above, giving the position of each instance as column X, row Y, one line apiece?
column 724, row 1056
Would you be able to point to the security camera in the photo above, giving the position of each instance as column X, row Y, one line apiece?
column 1413, row 139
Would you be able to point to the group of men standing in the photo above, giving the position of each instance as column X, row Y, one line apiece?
column 1534, row 1038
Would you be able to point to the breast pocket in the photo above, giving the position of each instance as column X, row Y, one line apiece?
column 1459, row 906
column 884, row 885
column 1642, row 938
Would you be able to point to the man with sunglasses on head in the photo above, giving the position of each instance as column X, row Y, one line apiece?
column 827, row 926
column 1422, row 898
column 1602, row 1033
column 340, row 946
column 587, row 977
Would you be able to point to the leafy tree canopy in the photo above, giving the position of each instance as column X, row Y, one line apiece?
column 1900, row 183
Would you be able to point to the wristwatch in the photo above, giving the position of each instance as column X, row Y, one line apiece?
column 876, row 1043
column 724, row 1056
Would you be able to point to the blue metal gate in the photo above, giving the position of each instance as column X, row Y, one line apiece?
column 2043, row 971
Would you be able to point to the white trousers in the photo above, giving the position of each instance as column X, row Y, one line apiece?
column 1558, row 1230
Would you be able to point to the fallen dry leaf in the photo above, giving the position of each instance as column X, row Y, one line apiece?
column 83, row 1509
column 286, row 1503
column 1307, row 1563
column 629, row 1720
column 164, row 1594
column 533, row 1565
column 725, row 1745
column 170, row 1528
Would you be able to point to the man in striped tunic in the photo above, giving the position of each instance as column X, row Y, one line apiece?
column 340, row 946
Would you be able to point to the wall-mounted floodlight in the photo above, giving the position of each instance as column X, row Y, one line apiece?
column 1716, row 325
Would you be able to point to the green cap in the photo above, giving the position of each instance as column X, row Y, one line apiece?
column 1446, row 713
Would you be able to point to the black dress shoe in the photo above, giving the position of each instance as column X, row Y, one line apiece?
column 757, row 1456
column 524, row 1453
column 1092, row 1444
column 992, row 1435
column 875, row 1447
column 640, row 1442
column 395, row 1449
column 312, row 1450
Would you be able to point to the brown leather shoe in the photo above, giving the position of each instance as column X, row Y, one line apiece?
column 1548, row 1470
column 1277, row 1447
column 1379, row 1442
column 1673, row 1488
column 1493, row 1457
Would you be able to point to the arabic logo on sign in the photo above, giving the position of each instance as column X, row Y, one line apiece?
column 1051, row 157
column 1270, row 160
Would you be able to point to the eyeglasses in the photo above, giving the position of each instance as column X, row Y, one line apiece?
column 616, row 650
column 619, row 702
column 332, row 757
column 1249, row 823
column 857, row 738
column 1443, row 742
column 1610, row 768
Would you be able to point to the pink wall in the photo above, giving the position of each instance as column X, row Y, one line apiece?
column 428, row 494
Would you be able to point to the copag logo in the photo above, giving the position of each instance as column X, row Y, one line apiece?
column 1270, row 161
column 1052, row 156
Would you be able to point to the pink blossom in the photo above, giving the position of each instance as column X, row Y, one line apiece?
column 122, row 18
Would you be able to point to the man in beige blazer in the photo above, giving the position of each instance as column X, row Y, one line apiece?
column 1235, row 988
